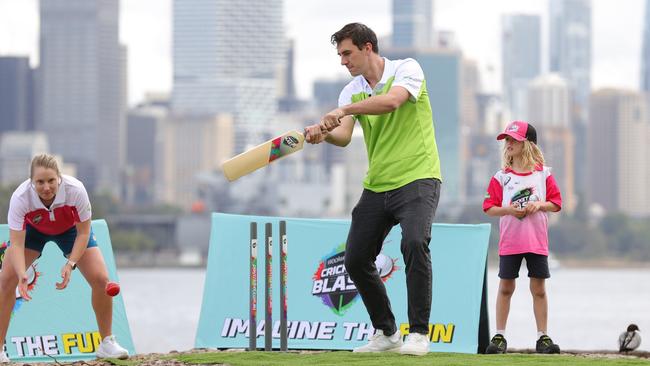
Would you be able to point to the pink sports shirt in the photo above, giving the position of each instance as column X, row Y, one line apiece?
column 530, row 234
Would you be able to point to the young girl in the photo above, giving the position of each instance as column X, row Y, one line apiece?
column 521, row 194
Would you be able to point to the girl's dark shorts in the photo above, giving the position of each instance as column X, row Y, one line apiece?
column 537, row 265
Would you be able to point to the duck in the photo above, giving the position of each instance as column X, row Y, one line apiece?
column 630, row 339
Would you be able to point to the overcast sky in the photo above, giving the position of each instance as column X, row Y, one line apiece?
column 146, row 30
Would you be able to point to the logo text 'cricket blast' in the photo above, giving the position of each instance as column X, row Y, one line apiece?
column 333, row 278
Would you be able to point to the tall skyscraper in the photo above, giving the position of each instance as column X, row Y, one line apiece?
column 570, row 56
column 570, row 46
column 187, row 147
column 412, row 24
column 619, row 156
column 645, row 56
column 16, row 94
column 81, row 77
column 227, row 55
column 520, row 57
column 548, row 111
column 470, row 89
column 143, row 127
column 17, row 148
column 326, row 93
column 287, row 92
column 549, row 101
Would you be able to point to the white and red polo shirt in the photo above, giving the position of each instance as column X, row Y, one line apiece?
column 530, row 234
column 71, row 206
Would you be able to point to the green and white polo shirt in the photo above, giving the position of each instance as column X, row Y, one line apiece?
column 401, row 145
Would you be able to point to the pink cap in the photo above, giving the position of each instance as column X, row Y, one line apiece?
column 520, row 131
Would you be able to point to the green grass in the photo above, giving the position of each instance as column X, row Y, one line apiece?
column 127, row 362
column 392, row 359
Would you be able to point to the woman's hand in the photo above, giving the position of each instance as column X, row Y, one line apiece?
column 65, row 277
column 23, row 285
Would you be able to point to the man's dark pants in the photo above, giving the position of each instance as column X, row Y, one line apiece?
column 413, row 207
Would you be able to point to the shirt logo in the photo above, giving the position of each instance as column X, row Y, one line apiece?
column 522, row 197
column 37, row 219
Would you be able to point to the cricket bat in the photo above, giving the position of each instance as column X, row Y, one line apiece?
column 263, row 154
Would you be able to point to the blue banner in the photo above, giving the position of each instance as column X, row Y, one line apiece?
column 60, row 325
column 324, row 309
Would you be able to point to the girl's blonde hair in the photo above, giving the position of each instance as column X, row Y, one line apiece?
column 46, row 161
column 531, row 156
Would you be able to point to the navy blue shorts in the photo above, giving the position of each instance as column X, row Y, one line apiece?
column 36, row 240
column 537, row 265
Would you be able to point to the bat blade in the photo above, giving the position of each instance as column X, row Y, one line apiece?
column 263, row 154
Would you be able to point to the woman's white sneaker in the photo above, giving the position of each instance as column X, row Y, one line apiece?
column 416, row 344
column 381, row 343
column 109, row 348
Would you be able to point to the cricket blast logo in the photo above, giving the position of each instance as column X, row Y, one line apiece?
column 333, row 284
column 522, row 197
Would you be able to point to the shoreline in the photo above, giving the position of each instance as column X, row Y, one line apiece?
column 563, row 264
column 600, row 263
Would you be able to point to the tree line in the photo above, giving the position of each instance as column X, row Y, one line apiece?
column 577, row 236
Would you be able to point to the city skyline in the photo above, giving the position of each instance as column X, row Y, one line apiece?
column 616, row 59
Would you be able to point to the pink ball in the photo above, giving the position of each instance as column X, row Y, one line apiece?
column 112, row 289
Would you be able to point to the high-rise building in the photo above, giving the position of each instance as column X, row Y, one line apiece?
column 326, row 93
column 81, row 88
column 17, row 148
column 144, row 125
column 521, row 58
column 288, row 99
column 619, row 156
column 16, row 94
column 412, row 24
column 470, row 90
column 570, row 46
column 548, row 111
column 549, row 101
column 645, row 55
column 570, row 56
column 187, row 146
column 558, row 147
column 227, row 55
column 483, row 161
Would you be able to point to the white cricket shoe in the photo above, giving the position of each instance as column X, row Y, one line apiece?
column 416, row 344
column 4, row 358
column 381, row 343
column 109, row 348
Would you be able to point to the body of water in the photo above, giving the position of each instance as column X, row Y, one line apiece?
column 588, row 308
